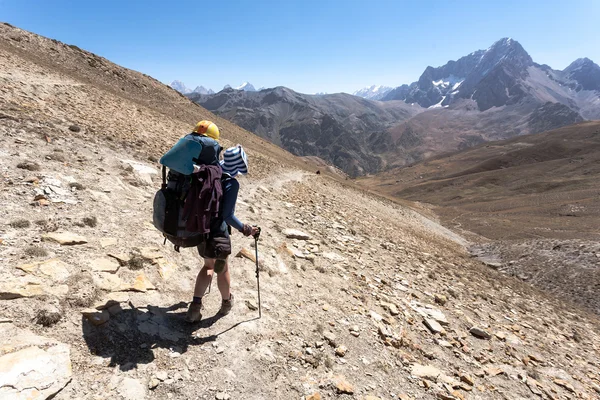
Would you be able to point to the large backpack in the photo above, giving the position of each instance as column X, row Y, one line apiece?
column 169, row 217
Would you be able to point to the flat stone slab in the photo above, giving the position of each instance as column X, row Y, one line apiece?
column 105, row 264
column 54, row 268
column 425, row 371
column 31, row 372
column 140, row 284
column 29, row 286
column 64, row 238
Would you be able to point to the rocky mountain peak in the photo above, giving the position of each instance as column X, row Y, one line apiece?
column 180, row 87
column 508, row 51
column 585, row 72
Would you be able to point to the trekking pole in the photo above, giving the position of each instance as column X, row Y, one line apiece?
column 256, row 236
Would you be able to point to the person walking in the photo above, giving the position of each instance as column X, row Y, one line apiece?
column 216, row 249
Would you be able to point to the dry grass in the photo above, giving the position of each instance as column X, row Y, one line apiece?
column 48, row 316
column 92, row 221
column 20, row 223
column 76, row 185
column 56, row 157
column 29, row 166
column 36, row 251
column 136, row 262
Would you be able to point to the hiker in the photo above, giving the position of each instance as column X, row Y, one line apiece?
column 190, row 195
column 234, row 162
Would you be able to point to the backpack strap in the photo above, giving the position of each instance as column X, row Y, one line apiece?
column 164, row 177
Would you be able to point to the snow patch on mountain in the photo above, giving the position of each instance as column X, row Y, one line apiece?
column 246, row 86
column 374, row 92
column 180, row 87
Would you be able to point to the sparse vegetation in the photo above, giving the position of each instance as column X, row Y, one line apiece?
column 56, row 157
column 20, row 223
column 92, row 221
column 48, row 316
column 36, row 251
column 136, row 262
column 29, row 166
column 47, row 226
column 76, row 185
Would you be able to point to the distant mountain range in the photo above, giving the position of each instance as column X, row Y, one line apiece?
column 342, row 129
column 183, row 89
column 487, row 95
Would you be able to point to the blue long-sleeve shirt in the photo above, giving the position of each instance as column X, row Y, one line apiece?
column 230, row 192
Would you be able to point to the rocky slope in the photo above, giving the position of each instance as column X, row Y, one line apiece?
column 371, row 300
column 538, row 225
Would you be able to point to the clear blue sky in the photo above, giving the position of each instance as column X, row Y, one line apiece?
column 309, row 46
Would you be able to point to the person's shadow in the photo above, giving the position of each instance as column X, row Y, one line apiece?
column 131, row 334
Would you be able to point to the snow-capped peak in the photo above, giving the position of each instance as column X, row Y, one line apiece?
column 246, row 86
column 180, row 87
column 373, row 92
column 202, row 90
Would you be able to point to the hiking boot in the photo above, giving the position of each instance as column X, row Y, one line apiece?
column 194, row 312
column 226, row 305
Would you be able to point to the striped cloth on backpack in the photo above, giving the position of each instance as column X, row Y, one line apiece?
column 235, row 161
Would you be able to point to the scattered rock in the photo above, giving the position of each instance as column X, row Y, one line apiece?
column 105, row 265
column 153, row 383
column 335, row 257
column 64, row 238
column 107, row 281
column 425, row 371
column 122, row 258
column 433, row 326
column 440, row 299
column 245, row 253
column 466, row 379
column 54, row 268
column 314, row 396
column 106, row 242
column 29, row 286
column 150, row 254
column 29, row 371
column 162, row 375
column 480, row 333
column 341, row 351
column 222, row 396
column 132, row 389
column 140, row 284
column 296, row 234
column 564, row 384
column 493, row 371
column 166, row 269
column 330, row 337
column 251, row 305
column 342, row 385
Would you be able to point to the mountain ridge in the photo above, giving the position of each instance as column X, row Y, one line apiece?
column 489, row 94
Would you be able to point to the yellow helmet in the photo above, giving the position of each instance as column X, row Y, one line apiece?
column 207, row 128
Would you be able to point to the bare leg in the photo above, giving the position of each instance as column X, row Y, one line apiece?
column 204, row 277
column 224, row 282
